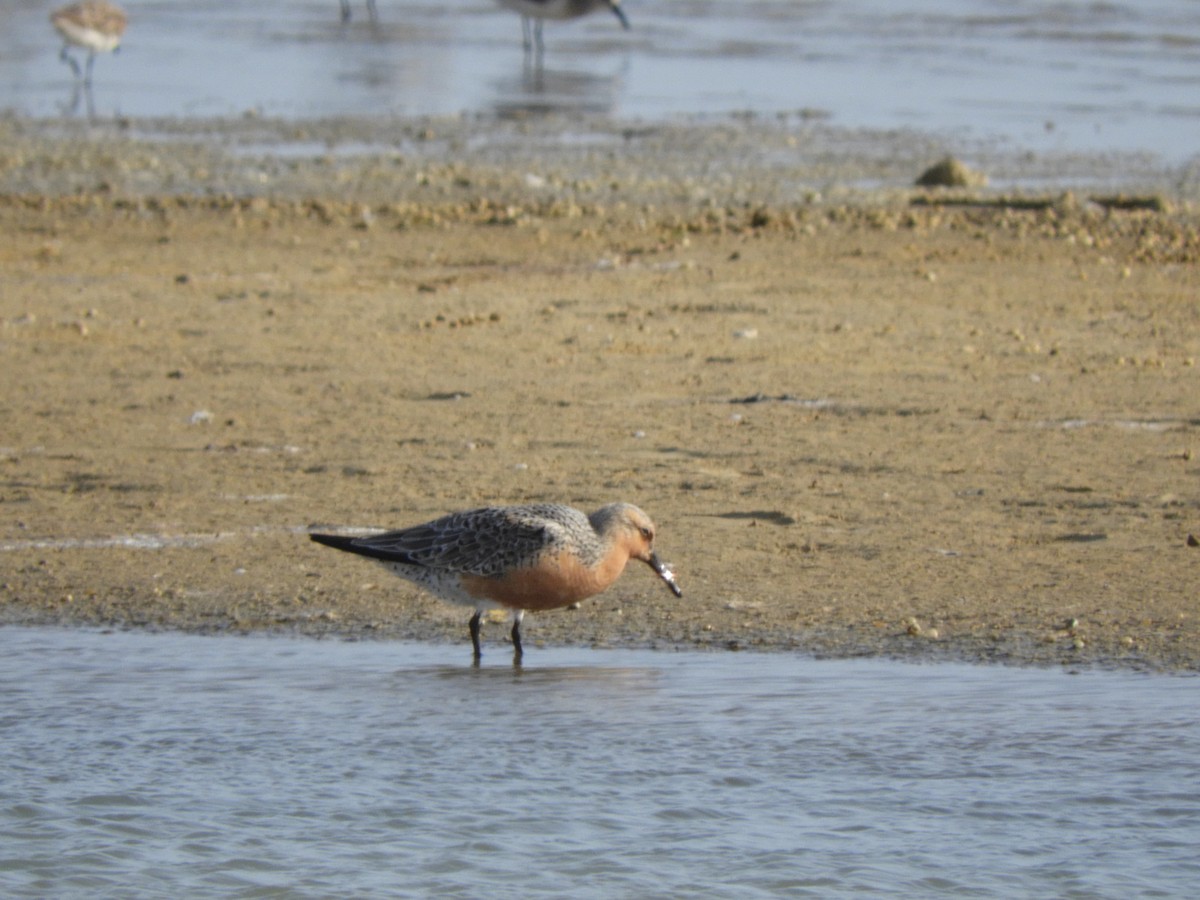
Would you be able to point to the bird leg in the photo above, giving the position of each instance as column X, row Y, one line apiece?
column 518, row 650
column 474, row 626
column 66, row 57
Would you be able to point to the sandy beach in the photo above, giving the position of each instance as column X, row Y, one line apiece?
column 867, row 419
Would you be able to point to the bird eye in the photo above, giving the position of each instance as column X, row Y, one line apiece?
column 647, row 533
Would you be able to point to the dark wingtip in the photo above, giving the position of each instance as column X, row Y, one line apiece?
column 341, row 542
column 362, row 546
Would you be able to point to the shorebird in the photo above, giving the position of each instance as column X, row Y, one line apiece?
column 536, row 557
column 372, row 13
column 535, row 12
column 95, row 25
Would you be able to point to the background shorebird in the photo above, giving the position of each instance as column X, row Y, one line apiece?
column 95, row 25
column 541, row 556
column 535, row 12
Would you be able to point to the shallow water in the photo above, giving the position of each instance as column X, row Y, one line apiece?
column 143, row 765
column 1044, row 74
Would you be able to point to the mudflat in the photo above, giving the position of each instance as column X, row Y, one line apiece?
column 928, row 424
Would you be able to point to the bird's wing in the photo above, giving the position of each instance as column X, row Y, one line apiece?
column 484, row 542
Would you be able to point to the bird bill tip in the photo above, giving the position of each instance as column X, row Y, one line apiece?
column 664, row 572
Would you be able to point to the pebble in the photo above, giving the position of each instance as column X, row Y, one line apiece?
column 951, row 172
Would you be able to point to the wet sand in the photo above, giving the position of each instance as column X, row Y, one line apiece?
column 867, row 419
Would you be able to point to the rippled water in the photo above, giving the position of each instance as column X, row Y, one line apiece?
column 1049, row 74
column 141, row 765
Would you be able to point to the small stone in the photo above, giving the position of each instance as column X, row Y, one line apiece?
column 950, row 172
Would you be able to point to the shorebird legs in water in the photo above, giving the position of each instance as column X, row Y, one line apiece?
column 95, row 25
column 535, row 12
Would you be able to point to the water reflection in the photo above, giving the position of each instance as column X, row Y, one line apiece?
column 372, row 12
column 540, row 91
column 317, row 768
column 81, row 92
column 535, row 675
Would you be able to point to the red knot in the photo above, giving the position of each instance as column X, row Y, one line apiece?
column 95, row 25
column 535, row 12
column 535, row 557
